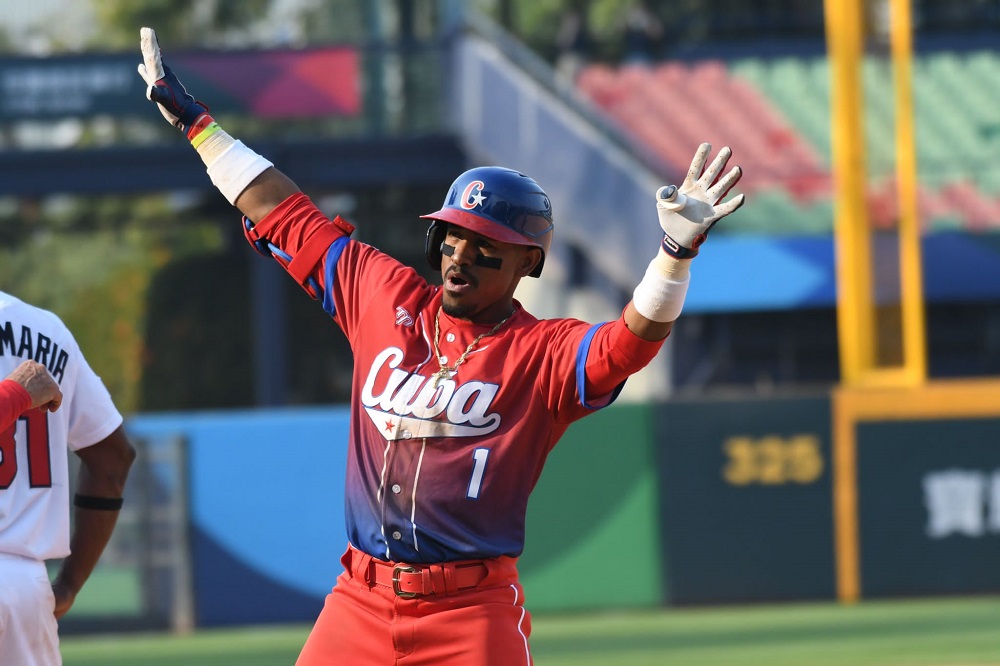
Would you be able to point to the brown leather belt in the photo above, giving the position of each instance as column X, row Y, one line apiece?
column 415, row 580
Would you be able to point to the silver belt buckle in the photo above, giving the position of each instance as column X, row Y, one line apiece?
column 402, row 569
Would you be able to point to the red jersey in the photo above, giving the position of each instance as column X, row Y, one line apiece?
column 441, row 471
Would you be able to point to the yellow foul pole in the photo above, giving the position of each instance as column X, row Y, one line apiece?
column 845, row 29
column 910, row 261
column 855, row 318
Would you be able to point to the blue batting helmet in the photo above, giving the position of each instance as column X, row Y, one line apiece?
column 501, row 204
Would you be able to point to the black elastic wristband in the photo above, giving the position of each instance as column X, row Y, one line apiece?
column 98, row 503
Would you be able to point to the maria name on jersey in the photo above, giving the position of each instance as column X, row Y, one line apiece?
column 406, row 405
column 35, row 346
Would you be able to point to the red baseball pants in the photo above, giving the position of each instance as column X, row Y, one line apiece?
column 389, row 614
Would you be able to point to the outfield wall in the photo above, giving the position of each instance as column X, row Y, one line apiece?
column 745, row 499
column 689, row 502
column 266, row 509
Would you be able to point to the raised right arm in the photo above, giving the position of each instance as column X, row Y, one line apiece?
column 279, row 221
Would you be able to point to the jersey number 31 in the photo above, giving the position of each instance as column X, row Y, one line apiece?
column 36, row 431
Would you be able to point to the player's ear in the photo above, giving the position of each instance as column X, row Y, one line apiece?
column 529, row 259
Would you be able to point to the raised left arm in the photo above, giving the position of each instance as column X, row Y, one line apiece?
column 247, row 180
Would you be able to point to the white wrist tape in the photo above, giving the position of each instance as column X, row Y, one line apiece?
column 231, row 165
column 661, row 293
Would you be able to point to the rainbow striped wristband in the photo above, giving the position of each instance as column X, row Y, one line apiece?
column 202, row 128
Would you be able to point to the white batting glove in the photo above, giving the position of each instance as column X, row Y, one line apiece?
column 689, row 212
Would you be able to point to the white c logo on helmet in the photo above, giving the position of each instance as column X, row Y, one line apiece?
column 473, row 195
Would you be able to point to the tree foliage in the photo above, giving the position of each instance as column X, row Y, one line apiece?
column 537, row 22
column 177, row 22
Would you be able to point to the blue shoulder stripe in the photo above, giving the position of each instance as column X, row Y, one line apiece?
column 332, row 257
column 581, row 364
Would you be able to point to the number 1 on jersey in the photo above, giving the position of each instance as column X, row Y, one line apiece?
column 480, row 456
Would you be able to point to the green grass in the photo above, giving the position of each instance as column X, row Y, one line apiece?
column 944, row 632
column 109, row 591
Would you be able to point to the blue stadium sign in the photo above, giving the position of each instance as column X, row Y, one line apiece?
column 45, row 88
column 281, row 84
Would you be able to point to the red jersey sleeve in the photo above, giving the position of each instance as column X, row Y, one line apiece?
column 361, row 276
column 14, row 400
column 584, row 366
column 615, row 354
column 347, row 276
column 299, row 236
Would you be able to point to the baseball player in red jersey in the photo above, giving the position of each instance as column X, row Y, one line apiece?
column 37, row 349
column 459, row 393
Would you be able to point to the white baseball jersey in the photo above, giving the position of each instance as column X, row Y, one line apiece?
column 34, row 461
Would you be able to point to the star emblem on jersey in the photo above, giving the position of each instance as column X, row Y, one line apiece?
column 473, row 195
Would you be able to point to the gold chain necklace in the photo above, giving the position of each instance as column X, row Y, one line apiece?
column 445, row 372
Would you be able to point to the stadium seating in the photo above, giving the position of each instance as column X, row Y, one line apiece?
column 775, row 114
column 672, row 107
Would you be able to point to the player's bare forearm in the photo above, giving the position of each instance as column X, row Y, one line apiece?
column 265, row 193
column 91, row 535
column 647, row 329
column 103, row 473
